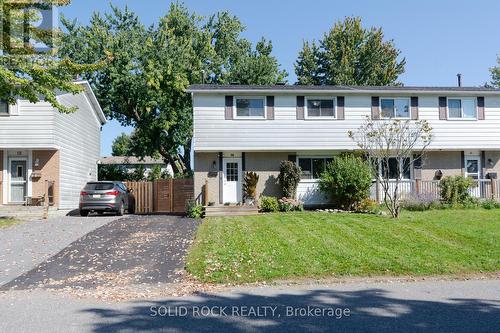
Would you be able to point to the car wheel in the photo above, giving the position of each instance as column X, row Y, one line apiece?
column 84, row 213
column 120, row 210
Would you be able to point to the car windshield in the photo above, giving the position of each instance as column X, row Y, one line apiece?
column 99, row 186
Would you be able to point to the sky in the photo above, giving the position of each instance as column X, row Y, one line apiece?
column 437, row 38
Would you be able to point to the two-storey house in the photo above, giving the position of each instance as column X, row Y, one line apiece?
column 39, row 144
column 241, row 128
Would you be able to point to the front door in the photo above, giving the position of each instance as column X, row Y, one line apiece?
column 18, row 179
column 231, row 189
column 472, row 170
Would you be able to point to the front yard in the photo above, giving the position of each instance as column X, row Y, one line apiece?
column 313, row 244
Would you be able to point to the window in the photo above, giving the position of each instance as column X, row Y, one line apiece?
column 312, row 168
column 320, row 108
column 394, row 169
column 395, row 107
column 462, row 108
column 99, row 186
column 232, row 172
column 250, row 107
column 4, row 108
column 472, row 167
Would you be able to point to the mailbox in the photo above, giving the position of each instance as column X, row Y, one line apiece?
column 491, row 175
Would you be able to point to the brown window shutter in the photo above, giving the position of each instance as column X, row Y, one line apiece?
column 480, row 108
column 443, row 112
column 375, row 107
column 300, row 107
column 229, row 107
column 270, row 107
column 462, row 162
column 414, row 108
column 340, row 107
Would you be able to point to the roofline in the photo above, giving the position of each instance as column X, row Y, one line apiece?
column 93, row 100
column 292, row 89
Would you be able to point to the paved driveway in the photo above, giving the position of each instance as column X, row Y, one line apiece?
column 24, row 246
column 129, row 251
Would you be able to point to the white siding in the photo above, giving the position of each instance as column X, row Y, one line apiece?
column 78, row 136
column 213, row 133
column 31, row 127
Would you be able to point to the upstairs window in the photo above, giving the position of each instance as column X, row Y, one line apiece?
column 4, row 108
column 462, row 108
column 250, row 107
column 312, row 168
column 395, row 107
column 320, row 108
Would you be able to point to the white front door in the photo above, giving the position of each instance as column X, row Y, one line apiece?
column 18, row 180
column 472, row 169
column 231, row 183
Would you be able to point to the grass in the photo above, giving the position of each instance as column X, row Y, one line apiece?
column 314, row 244
column 7, row 222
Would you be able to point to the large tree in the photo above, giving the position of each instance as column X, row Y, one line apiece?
column 144, row 83
column 350, row 55
column 495, row 74
column 122, row 145
column 28, row 70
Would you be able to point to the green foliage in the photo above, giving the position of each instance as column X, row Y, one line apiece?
column 144, row 83
column 367, row 205
column 350, row 55
column 138, row 174
column 29, row 74
column 490, row 204
column 194, row 210
column 122, row 145
column 347, row 179
column 455, row 190
column 111, row 172
column 250, row 185
column 289, row 178
column 290, row 205
column 495, row 74
column 268, row 204
column 155, row 173
column 420, row 202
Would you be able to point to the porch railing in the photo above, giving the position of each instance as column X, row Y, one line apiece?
column 487, row 189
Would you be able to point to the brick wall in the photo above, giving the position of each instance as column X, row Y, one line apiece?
column 48, row 167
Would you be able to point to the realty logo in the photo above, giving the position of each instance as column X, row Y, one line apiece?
column 27, row 26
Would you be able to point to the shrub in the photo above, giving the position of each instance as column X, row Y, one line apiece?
column 194, row 210
column 269, row 204
column 367, row 206
column 290, row 205
column 420, row 202
column 289, row 178
column 347, row 179
column 490, row 204
column 250, row 185
column 455, row 190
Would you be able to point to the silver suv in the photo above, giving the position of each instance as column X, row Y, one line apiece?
column 104, row 197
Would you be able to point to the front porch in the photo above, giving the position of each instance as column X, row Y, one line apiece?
column 29, row 177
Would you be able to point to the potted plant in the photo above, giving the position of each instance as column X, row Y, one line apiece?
column 250, row 188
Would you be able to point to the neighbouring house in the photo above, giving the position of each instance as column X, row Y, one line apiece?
column 240, row 128
column 130, row 164
column 39, row 144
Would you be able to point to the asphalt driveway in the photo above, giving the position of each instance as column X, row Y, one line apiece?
column 129, row 251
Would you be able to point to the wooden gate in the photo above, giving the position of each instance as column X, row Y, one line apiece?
column 162, row 196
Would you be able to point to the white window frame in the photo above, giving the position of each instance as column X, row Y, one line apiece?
column 323, row 157
column 394, row 98
column 461, row 108
column 412, row 176
column 473, row 158
column 8, row 110
column 235, row 108
column 306, row 109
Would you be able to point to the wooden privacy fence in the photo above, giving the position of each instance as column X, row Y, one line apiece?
column 162, row 196
column 488, row 189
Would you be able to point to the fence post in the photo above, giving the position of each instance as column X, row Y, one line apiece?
column 493, row 189
column 46, row 202
column 418, row 184
column 377, row 190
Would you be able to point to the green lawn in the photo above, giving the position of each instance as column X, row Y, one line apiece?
column 311, row 244
column 7, row 222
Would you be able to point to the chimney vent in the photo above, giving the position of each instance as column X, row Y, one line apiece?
column 459, row 78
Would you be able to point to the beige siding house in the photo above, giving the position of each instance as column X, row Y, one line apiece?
column 252, row 128
column 39, row 144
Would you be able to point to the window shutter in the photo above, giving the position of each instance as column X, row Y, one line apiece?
column 443, row 113
column 270, row 107
column 375, row 107
column 340, row 107
column 462, row 162
column 414, row 108
column 480, row 108
column 300, row 107
column 243, row 162
column 229, row 108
